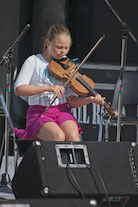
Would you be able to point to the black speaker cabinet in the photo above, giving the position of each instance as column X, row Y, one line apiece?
column 105, row 171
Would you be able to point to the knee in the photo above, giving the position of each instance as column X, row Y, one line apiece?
column 73, row 136
column 60, row 136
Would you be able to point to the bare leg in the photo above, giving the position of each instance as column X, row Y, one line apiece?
column 50, row 131
column 70, row 129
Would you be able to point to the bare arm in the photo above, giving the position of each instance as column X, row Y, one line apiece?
column 29, row 90
column 75, row 102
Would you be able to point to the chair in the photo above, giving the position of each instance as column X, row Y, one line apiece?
column 129, row 97
column 18, row 108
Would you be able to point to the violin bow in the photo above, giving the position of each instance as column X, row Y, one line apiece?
column 75, row 71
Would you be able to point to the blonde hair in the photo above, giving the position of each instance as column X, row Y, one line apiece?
column 56, row 30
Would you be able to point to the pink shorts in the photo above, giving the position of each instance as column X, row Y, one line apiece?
column 34, row 119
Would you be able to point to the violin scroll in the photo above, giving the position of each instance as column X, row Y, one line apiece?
column 109, row 110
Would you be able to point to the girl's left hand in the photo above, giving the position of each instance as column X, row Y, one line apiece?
column 98, row 99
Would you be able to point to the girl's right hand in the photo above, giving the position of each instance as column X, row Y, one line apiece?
column 59, row 90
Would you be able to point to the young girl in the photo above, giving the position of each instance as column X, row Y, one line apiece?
column 34, row 81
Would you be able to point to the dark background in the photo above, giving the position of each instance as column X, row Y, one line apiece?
column 87, row 20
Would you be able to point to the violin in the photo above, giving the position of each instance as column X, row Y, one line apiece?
column 80, row 84
column 63, row 69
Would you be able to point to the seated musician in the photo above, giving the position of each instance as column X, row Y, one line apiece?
column 34, row 81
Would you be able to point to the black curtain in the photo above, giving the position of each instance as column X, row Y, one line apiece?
column 88, row 20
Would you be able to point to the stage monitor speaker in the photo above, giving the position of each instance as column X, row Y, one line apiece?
column 105, row 171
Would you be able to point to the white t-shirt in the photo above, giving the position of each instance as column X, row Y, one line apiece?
column 35, row 72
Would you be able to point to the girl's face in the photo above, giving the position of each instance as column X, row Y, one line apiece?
column 59, row 46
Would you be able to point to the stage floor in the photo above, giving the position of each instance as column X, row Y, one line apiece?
column 6, row 192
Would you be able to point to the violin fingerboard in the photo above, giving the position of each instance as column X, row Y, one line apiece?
column 86, row 85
